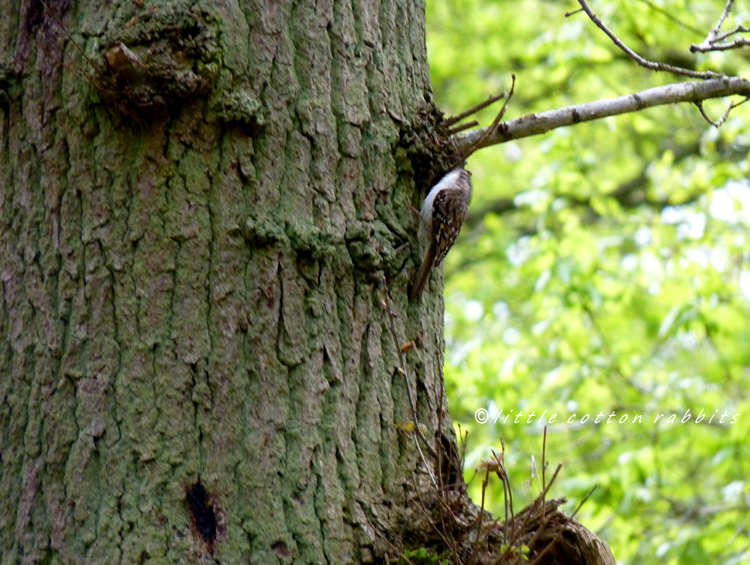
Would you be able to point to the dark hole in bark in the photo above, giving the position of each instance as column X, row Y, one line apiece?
column 202, row 512
column 191, row 31
column 280, row 549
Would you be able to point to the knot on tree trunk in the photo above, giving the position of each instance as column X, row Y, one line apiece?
column 160, row 58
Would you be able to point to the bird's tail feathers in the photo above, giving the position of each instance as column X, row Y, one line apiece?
column 423, row 275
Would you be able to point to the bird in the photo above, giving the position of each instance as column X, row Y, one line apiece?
column 443, row 213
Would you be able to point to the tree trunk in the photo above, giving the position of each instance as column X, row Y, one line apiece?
column 200, row 222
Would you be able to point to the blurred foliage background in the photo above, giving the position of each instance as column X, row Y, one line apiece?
column 604, row 268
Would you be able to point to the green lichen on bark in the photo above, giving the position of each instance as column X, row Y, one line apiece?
column 240, row 107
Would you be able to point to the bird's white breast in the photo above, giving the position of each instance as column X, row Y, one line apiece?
column 447, row 181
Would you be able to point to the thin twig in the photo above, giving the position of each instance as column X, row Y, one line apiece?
column 724, row 15
column 448, row 122
column 506, row 494
column 552, row 481
column 721, row 120
column 585, row 498
column 738, row 29
column 462, row 127
column 544, row 470
column 462, row 440
column 503, row 476
column 544, row 462
column 475, row 549
column 711, row 43
column 58, row 22
column 509, row 492
column 636, row 57
column 535, row 474
column 493, row 127
column 501, row 113
column 80, row 71
column 703, row 48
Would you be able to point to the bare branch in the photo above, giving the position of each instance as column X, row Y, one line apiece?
column 473, row 110
column 714, row 38
column 743, row 42
column 636, row 57
column 716, row 46
column 536, row 124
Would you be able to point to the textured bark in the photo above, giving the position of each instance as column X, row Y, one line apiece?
column 193, row 241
